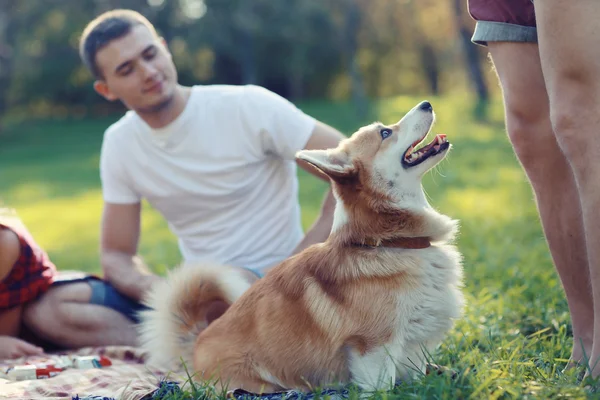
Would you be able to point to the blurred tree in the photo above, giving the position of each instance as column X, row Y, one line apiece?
column 473, row 60
column 351, row 29
column 7, row 39
column 289, row 47
column 341, row 49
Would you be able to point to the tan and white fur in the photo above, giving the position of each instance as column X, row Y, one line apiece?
column 365, row 306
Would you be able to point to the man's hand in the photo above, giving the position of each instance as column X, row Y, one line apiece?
column 122, row 267
column 11, row 348
column 128, row 274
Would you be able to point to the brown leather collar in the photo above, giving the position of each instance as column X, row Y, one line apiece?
column 418, row 242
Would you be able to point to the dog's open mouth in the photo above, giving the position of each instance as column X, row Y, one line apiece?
column 414, row 156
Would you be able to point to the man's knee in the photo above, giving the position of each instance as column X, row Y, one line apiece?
column 48, row 311
column 44, row 317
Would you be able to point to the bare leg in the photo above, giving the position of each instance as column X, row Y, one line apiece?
column 63, row 316
column 570, row 54
column 530, row 131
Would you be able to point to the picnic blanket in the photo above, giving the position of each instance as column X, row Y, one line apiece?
column 128, row 378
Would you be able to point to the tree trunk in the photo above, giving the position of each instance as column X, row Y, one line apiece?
column 431, row 67
column 247, row 45
column 296, row 71
column 248, row 59
column 352, row 26
column 473, row 62
column 7, row 42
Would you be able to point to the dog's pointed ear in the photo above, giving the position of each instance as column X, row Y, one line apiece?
column 332, row 162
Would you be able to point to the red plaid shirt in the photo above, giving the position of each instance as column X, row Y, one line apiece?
column 32, row 274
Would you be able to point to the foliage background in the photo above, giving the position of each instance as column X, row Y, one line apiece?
column 347, row 62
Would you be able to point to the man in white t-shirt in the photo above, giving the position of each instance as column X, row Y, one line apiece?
column 217, row 162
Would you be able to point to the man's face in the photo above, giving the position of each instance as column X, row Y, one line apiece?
column 138, row 70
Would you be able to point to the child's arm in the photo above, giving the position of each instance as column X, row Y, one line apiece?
column 9, row 251
column 11, row 347
column 10, row 319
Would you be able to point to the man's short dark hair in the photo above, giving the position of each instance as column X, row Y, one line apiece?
column 105, row 28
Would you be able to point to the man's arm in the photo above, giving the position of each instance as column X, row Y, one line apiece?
column 122, row 267
column 322, row 137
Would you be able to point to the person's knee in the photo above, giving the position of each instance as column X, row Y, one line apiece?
column 528, row 127
column 43, row 317
column 574, row 121
column 48, row 317
column 525, row 100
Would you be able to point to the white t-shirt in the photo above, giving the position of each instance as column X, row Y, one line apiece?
column 223, row 173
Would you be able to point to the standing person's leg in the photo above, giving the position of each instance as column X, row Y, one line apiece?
column 508, row 28
column 570, row 54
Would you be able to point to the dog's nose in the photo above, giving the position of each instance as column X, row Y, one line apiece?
column 426, row 106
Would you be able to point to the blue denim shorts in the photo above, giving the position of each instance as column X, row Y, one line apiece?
column 104, row 294
column 503, row 21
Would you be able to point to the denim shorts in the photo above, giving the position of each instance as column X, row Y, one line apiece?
column 503, row 21
column 104, row 294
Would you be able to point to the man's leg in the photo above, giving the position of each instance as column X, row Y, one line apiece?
column 530, row 131
column 64, row 316
column 570, row 54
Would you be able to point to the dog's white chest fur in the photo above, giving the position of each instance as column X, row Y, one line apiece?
column 425, row 314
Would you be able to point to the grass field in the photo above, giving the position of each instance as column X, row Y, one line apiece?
column 515, row 336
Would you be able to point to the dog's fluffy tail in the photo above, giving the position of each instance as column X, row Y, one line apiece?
column 178, row 310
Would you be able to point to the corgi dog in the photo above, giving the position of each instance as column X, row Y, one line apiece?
column 364, row 307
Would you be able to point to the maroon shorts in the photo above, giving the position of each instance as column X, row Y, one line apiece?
column 503, row 21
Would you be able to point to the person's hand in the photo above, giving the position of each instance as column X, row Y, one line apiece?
column 11, row 348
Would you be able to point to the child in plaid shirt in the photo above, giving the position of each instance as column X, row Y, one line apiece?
column 42, row 309
column 26, row 273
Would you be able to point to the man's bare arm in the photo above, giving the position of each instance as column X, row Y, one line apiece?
column 122, row 266
column 323, row 137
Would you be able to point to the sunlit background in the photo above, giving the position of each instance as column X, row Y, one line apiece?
column 346, row 62
column 302, row 49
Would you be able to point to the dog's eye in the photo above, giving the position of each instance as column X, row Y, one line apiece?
column 385, row 132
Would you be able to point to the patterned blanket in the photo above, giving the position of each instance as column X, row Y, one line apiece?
column 128, row 378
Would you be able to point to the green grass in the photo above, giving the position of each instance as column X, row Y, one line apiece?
column 515, row 336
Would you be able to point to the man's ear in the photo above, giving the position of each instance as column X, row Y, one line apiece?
column 332, row 162
column 102, row 89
